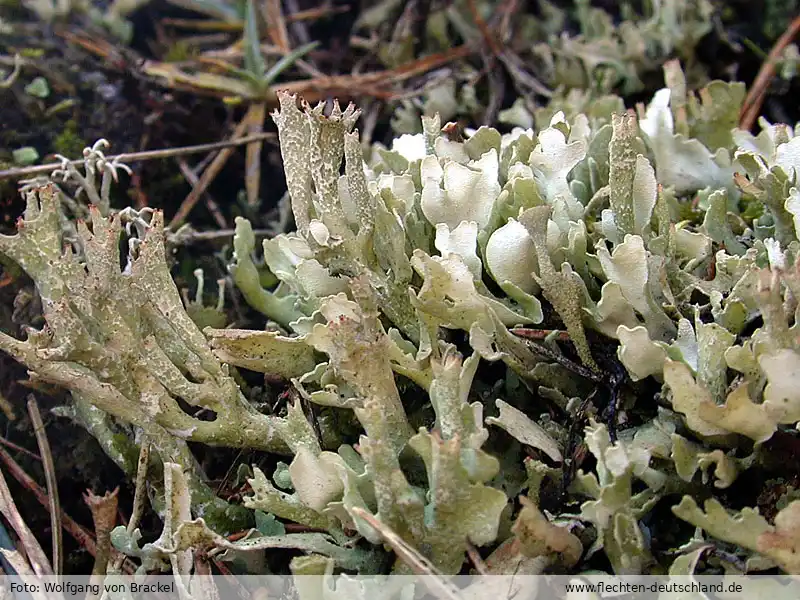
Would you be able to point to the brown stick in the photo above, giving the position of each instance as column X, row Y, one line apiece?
column 252, row 175
column 539, row 334
column 29, row 551
column 81, row 534
column 211, row 204
column 477, row 561
column 276, row 24
column 77, row 531
column 18, row 448
column 487, row 35
column 212, row 25
column 52, row 485
column 206, row 178
column 139, row 156
column 758, row 91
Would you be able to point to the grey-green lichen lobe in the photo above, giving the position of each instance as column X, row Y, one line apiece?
column 415, row 264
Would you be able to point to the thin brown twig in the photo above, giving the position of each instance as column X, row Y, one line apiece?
column 758, row 90
column 207, row 177
column 496, row 86
column 374, row 83
column 487, row 35
column 33, row 550
column 433, row 579
column 252, row 175
column 506, row 12
column 310, row 14
column 211, row 236
column 18, row 448
column 476, row 559
column 140, row 156
column 83, row 537
column 540, row 334
column 404, row 28
column 300, row 528
column 52, row 485
column 377, row 84
column 110, row 53
column 299, row 26
column 190, row 176
column 238, row 535
column 276, row 24
column 203, row 25
column 525, row 82
column 236, row 52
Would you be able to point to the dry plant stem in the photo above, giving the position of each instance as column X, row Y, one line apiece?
column 78, row 532
column 506, row 12
column 207, row 177
column 211, row 236
column 495, row 82
column 105, row 50
column 406, row 71
column 190, row 176
column 540, row 334
column 377, row 84
column 298, row 25
column 33, row 551
column 17, row 448
column 311, row 14
column 202, row 25
column 255, row 124
column 409, row 555
column 420, row 565
column 140, row 156
column 758, row 91
column 488, row 38
column 231, row 579
column 477, row 560
column 52, row 484
column 276, row 24
column 295, row 18
column 525, row 82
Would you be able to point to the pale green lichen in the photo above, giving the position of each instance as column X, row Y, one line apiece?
column 409, row 267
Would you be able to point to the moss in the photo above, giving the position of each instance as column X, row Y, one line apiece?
column 68, row 142
column 752, row 208
column 179, row 51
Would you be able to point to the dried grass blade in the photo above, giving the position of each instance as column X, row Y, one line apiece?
column 276, row 24
column 52, row 484
column 206, row 178
column 431, row 576
column 83, row 537
column 255, row 125
column 36, row 556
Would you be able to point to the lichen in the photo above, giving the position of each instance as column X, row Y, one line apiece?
column 671, row 351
